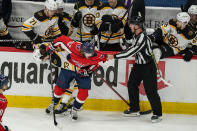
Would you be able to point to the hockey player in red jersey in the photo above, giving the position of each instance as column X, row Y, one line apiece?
column 3, row 101
column 81, row 60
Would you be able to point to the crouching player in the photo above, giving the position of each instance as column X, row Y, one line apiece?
column 58, row 59
column 81, row 60
column 3, row 101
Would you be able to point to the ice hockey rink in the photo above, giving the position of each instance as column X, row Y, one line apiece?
column 20, row 119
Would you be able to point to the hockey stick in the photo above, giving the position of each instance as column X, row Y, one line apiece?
column 80, row 23
column 162, row 79
column 120, row 21
column 54, row 117
column 25, row 40
column 98, row 75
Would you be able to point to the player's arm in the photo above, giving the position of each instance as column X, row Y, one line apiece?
column 162, row 31
column 27, row 28
column 65, row 42
column 64, row 24
column 77, row 16
column 134, row 49
column 190, row 51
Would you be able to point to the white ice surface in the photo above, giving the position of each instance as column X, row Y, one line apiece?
column 19, row 119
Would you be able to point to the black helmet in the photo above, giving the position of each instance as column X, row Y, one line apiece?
column 87, row 47
column 136, row 20
column 4, row 81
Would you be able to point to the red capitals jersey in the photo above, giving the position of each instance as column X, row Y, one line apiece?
column 75, row 57
column 3, row 105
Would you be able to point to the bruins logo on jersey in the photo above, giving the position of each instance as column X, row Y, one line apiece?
column 49, row 31
column 89, row 20
column 173, row 41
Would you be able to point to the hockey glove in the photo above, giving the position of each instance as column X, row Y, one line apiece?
column 152, row 37
column 37, row 39
column 6, row 128
column 115, row 27
column 78, row 16
column 63, row 26
column 104, row 26
column 188, row 56
column 194, row 49
column 94, row 30
column 50, row 49
column 107, row 18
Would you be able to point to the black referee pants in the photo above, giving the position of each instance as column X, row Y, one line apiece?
column 148, row 74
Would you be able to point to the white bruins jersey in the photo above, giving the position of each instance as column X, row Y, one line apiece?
column 119, row 12
column 42, row 25
column 89, row 15
column 59, row 59
column 3, row 28
column 177, row 39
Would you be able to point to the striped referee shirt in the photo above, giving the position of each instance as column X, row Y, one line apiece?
column 141, row 49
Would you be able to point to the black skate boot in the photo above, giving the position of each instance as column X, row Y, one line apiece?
column 61, row 108
column 156, row 118
column 132, row 113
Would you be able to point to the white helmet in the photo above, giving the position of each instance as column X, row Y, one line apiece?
column 51, row 5
column 183, row 17
column 60, row 3
column 192, row 9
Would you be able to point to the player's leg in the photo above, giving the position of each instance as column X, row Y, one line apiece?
column 67, row 99
column 150, row 86
column 162, row 51
column 63, row 82
column 57, row 96
column 84, row 84
column 133, row 91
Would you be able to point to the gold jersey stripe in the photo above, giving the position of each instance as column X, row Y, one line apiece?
column 82, row 7
column 103, row 38
column 26, row 29
column 27, row 26
column 66, row 93
column 66, row 19
column 163, row 29
column 105, row 8
column 114, row 34
column 87, row 36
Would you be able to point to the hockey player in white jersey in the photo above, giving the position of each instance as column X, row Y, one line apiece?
column 84, row 18
column 58, row 59
column 44, row 23
column 173, row 37
column 110, row 25
column 190, row 51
